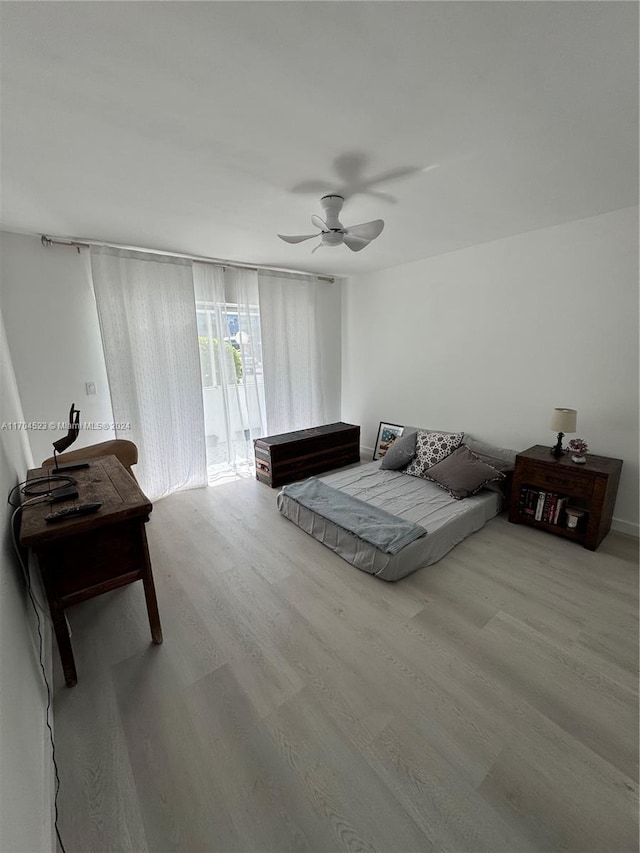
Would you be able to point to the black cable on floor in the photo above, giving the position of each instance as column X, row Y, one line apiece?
column 51, row 738
column 44, row 678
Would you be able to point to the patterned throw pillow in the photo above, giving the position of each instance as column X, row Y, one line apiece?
column 432, row 447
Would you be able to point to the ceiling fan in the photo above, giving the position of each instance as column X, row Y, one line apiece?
column 333, row 232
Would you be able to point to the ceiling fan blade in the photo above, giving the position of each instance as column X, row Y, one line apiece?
column 321, row 243
column 350, row 166
column 311, row 186
column 319, row 223
column 297, row 239
column 355, row 243
column 367, row 230
column 394, row 174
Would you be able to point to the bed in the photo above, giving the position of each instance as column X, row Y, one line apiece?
column 447, row 521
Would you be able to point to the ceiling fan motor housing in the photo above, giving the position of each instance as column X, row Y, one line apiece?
column 332, row 205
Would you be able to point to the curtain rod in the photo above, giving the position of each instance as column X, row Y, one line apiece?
column 87, row 244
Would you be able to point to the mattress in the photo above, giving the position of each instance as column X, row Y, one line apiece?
column 446, row 520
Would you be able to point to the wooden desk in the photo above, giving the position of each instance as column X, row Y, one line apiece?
column 91, row 554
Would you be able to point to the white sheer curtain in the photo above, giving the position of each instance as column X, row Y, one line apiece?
column 231, row 366
column 14, row 444
column 148, row 321
column 290, row 346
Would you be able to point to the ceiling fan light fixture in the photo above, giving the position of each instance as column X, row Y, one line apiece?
column 333, row 232
column 332, row 238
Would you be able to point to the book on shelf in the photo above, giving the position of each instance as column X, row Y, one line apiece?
column 528, row 501
column 540, row 505
column 560, row 505
column 550, row 507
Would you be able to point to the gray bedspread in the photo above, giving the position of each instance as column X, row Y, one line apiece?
column 374, row 525
column 413, row 499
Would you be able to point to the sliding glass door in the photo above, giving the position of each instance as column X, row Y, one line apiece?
column 230, row 346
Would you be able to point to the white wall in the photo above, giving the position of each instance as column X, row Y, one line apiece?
column 54, row 337
column 26, row 778
column 489, row 339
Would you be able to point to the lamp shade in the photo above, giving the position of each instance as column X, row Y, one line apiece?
column 564, row 420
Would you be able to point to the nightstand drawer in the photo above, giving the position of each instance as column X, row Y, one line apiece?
column 561, row 481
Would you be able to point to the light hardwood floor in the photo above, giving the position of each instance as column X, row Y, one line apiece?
column 487, row 703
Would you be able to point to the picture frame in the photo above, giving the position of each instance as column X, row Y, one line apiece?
column 387, row 434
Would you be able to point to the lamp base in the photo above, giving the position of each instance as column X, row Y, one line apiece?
column 557, row 450
column 70, row 466
column 67, row 466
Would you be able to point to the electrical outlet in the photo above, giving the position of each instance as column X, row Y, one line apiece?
column 90, row 388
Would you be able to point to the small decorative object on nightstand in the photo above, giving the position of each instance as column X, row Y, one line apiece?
column 578, row 448
column 546, row 493
column 562, row 421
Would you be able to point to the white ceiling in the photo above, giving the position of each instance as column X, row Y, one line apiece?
column 209, row 127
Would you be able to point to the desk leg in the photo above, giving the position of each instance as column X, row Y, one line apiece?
column 150, row 592
column 59, row 626
column 64, row 646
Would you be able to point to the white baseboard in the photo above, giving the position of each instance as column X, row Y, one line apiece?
column 627, row 527
column 366, row 451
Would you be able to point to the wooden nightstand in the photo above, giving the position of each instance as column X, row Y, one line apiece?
column 591, row 487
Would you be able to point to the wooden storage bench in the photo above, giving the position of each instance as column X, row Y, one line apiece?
column 294, row 456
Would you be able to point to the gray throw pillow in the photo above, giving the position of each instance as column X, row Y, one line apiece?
column 462, row 473
column 491, row 452
column 499, row 457
column 401, row 451
column 500, row 464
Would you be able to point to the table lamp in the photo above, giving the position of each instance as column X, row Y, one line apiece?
column 562, row 421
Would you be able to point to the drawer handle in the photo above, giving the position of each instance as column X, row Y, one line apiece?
column 557, row 481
